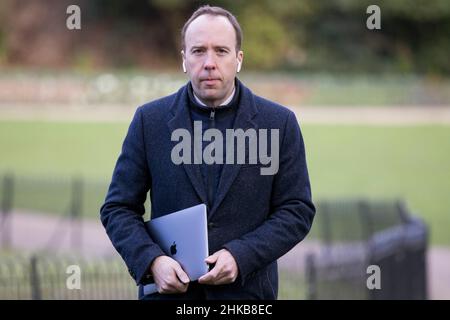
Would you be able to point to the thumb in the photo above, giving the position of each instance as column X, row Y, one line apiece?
column 182, row 275
column 212, row 258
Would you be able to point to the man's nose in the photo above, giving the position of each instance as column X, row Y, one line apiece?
column 210, row 62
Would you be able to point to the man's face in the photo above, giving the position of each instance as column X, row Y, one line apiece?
column 210, row 57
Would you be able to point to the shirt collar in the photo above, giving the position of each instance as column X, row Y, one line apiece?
column 227, row 100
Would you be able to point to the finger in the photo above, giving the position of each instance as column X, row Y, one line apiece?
column 181, row 274
column 175, row 285
column 212, row 258
column 224, row 275
column 206, row 279
column 222, row 280
column 210, row 277
column 177, row 281
column 180, row 287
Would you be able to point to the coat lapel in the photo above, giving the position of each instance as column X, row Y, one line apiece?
column 181, row 118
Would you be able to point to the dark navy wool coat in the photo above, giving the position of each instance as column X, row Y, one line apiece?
column 258, row 218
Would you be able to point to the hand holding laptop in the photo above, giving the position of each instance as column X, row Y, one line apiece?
column 169, row 276
column 183, row 236
column 225, row 269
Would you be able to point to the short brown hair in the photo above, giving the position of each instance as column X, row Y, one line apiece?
column 214, row 11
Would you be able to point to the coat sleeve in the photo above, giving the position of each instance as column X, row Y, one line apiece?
column 291, row 213
column 123, row 210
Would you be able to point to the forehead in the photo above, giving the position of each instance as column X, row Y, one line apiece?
column 208, row 29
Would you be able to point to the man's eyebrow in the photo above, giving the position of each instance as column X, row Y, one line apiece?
column 203, row 47
column 222, row 47
column 197, row 47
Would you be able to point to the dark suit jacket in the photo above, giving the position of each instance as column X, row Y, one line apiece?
column 258, row 218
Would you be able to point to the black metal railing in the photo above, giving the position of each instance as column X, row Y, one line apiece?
column 361, row 240
column 43, row 277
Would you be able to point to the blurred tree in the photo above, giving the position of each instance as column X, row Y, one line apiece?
column 266, row 41
column 290, row 34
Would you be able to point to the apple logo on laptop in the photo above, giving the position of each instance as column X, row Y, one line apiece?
column 173, row 248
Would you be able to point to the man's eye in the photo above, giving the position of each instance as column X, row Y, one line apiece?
column 196, row 51
column 222, row 51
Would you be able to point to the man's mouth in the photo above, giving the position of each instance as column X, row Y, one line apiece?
column 210, row 81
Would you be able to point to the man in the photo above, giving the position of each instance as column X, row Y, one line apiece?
column 254, row 216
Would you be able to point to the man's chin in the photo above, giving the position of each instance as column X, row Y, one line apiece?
column 209, row 94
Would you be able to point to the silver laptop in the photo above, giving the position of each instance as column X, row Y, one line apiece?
column 183, row 236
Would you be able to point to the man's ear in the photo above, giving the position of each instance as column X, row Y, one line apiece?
column 184, row 61
column 240, row 58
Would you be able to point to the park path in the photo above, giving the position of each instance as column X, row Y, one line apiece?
column 33, row 232
column 385, row 115
column 366, row 115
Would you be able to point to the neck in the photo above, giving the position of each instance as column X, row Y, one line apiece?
column 214, row 104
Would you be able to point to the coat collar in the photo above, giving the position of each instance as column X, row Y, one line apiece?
column 179, row 117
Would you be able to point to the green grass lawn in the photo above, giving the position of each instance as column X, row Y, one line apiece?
column 376, row 162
